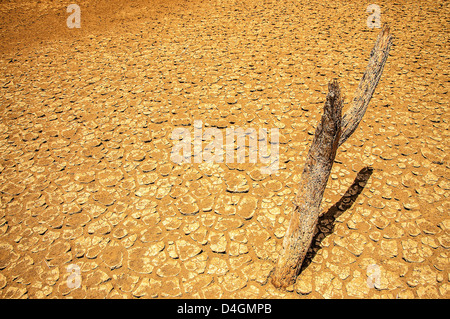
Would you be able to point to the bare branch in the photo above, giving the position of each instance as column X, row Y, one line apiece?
column 332, row 131
column 314, row 180
column 367, row 85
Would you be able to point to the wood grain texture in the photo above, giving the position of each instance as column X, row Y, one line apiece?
column 314, row 180
column 367, row 85
column 332, row 131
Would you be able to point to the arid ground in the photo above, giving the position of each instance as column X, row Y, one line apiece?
column 92, row 206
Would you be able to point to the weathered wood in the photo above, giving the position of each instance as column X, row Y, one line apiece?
column 332, row 131
column 314, row 180
column 367, row 85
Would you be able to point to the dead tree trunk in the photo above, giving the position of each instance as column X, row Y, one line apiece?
column 332, row 131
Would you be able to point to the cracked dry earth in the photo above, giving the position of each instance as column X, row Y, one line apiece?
column 86, row 177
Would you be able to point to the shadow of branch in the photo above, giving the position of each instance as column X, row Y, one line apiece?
column 326, row 222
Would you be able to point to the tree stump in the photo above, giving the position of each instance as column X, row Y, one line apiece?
column 332, row 131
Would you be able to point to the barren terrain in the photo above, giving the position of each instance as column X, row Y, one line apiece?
column 87, row 181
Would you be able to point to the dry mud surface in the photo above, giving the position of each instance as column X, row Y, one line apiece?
column 86, row 179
